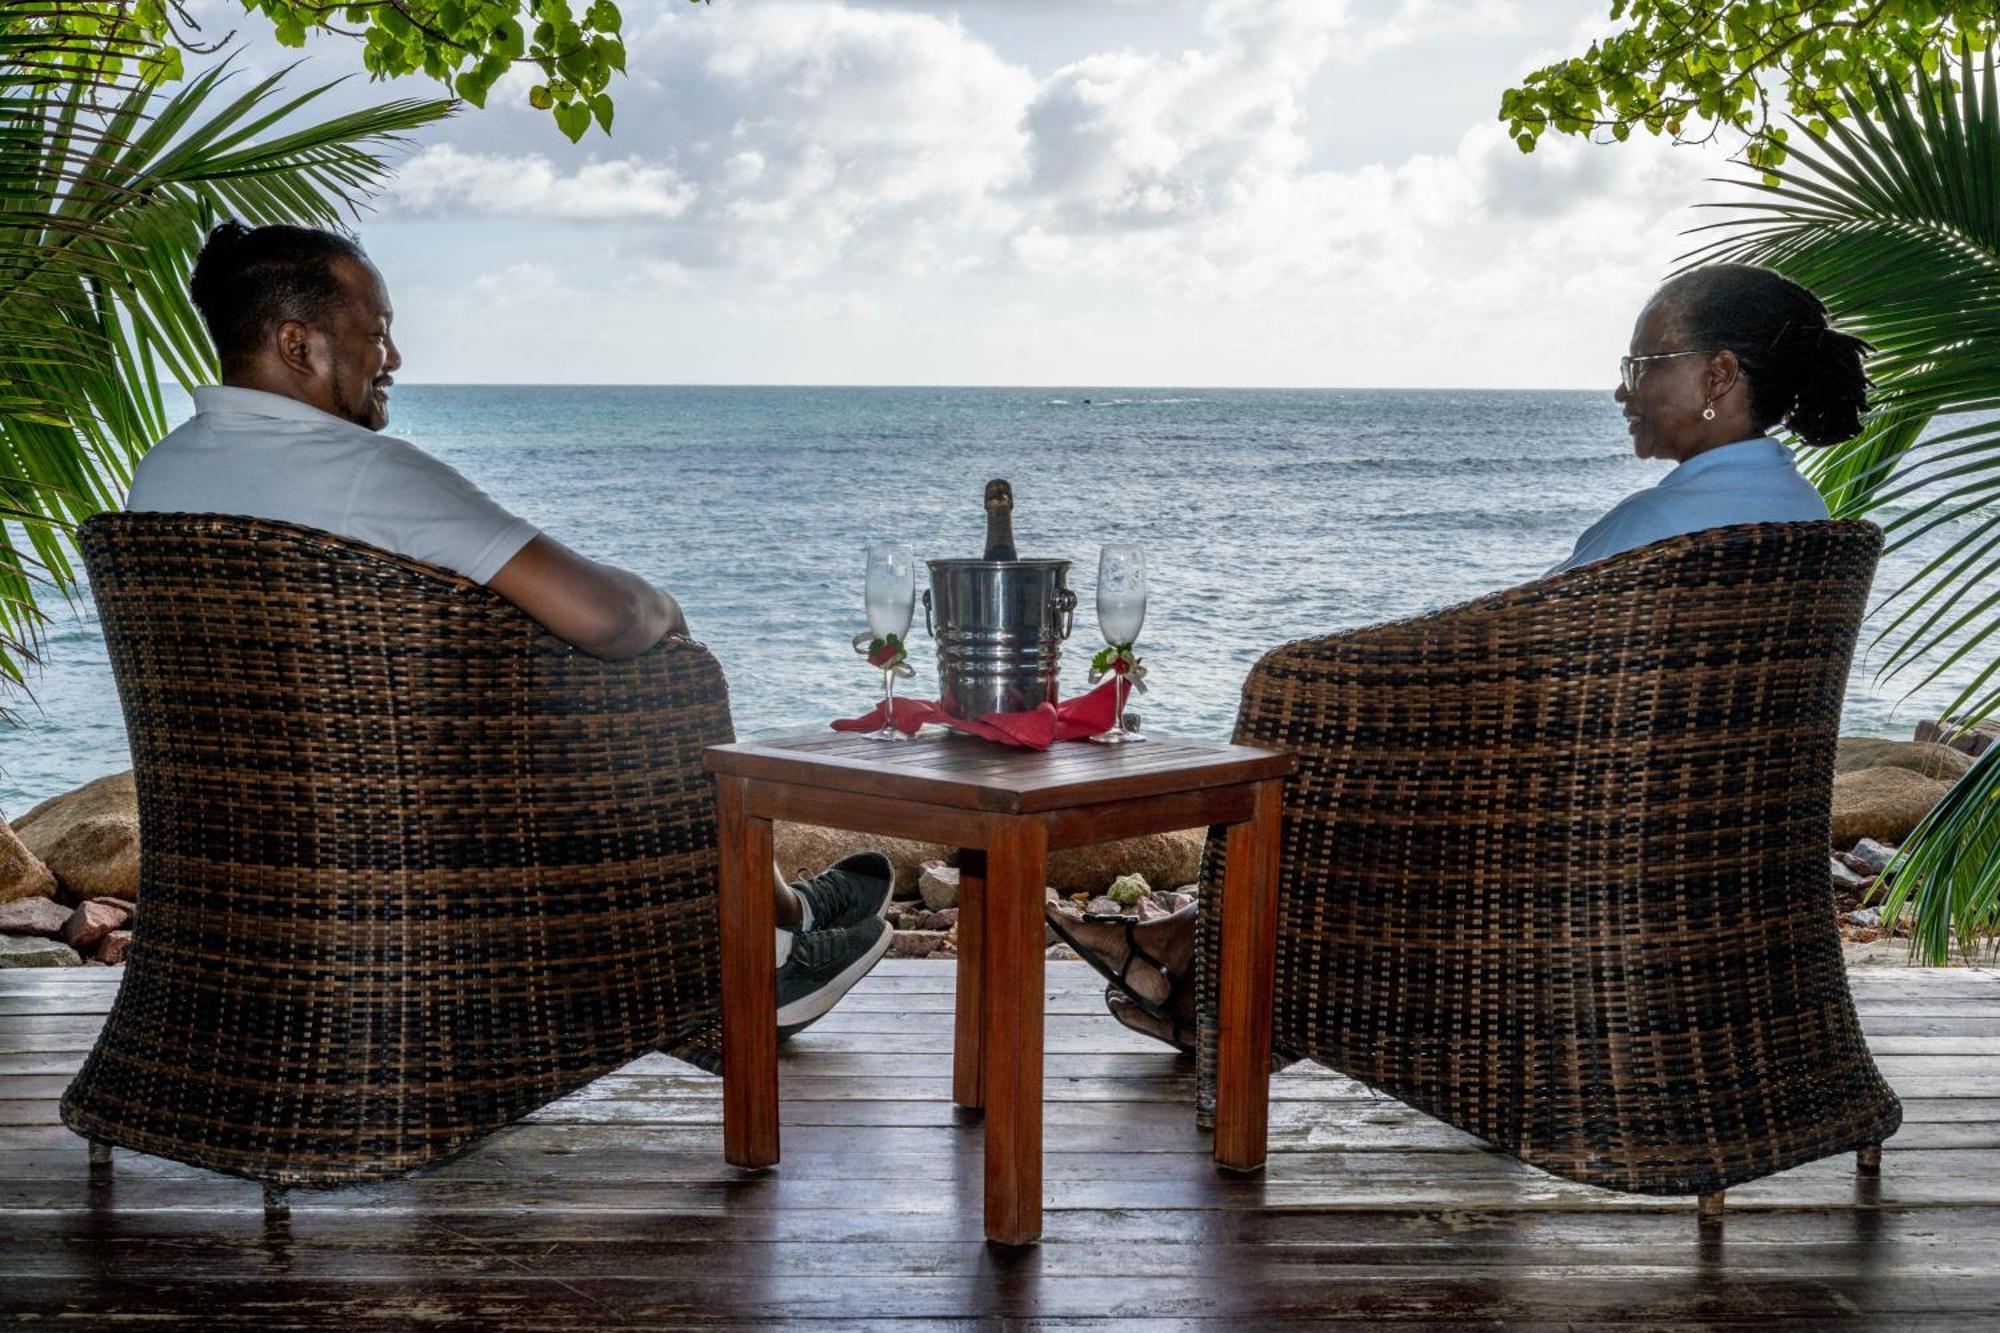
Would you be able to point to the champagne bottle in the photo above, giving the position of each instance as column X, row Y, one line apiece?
column 1000, row 521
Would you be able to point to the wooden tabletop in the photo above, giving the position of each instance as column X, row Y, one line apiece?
column 948, row 769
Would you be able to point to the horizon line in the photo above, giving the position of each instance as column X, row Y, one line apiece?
column 1043, row 388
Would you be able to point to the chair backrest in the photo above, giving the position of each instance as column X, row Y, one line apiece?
column 410, row 866
column 1513, row 817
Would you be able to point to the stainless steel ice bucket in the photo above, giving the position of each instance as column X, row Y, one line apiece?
column 999, row 626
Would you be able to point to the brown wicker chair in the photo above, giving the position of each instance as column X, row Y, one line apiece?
column 1555, row 863
column 410, row 866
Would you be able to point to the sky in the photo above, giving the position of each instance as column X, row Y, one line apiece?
column 1283, row 193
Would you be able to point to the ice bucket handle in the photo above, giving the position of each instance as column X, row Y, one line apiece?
column 928, row 627
column 1065, row 603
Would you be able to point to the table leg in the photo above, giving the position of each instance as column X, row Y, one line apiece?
column 1249, row 959
column 749, row 994
column 1013, row 964
column 968, row 1070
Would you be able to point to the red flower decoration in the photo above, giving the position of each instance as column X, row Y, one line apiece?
column 886, row 655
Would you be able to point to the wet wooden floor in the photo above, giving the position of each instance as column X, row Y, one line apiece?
column 613, row 1209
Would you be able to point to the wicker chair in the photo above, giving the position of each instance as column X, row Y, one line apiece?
column 410, row 867
column 1555, row 863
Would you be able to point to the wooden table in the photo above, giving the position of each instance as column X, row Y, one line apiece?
column 1006, row 810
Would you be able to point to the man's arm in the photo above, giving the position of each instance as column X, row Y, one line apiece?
column 606, row 612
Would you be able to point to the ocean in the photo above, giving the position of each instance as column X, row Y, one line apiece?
column 1265, row 515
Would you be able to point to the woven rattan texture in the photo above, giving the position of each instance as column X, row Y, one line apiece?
column 410, row 867
column 1555, row 861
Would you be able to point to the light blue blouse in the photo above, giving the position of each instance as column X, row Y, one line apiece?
column 1751, row 481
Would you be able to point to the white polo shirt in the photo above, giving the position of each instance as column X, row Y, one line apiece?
column 263, row 455
column 1751, row 481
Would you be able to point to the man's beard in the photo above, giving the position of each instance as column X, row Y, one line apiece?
column 362, row 413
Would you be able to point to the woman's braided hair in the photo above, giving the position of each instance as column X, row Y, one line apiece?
column 1802, row 373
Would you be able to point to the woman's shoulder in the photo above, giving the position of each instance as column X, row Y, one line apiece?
column 1641, row 517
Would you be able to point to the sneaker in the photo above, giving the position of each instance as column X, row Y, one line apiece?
column 823, row 966
column 849, row 891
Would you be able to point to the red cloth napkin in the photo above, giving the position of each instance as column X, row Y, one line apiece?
column 1073, row 719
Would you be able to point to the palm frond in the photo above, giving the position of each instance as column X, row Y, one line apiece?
column 109, row 181
column 1946, row 878
column 1892, row 216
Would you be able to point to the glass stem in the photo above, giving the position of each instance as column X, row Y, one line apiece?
column 889, row 700
column 1119, row 689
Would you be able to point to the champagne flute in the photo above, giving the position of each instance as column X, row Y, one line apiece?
column 1121, row 610
column 891, row 600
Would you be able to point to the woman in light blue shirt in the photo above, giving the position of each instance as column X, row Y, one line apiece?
column 1720, row 356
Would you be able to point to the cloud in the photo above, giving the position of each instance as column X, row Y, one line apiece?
column 829, row 134
column 1413, row 20
column 1126, row 140
column 1191, row 174
column 813, row 164
column 446, row 180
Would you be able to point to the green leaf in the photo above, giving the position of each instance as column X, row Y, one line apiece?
column 473, row 85
column 600, row 106
column 573, row 118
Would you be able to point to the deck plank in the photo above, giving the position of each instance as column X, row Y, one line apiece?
column 614, row 1206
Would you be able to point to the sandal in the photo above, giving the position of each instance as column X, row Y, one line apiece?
column 1133, row 953
column 1129, row 1014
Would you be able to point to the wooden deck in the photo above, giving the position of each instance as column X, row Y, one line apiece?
column 614, row 1209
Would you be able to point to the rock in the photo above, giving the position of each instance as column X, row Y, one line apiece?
column 1174, row 901
column 803, row 850
column 89, row 838
column 1853, row 862
column 131, row 908
column 1844, row 877
column 111, row 949
column 1160, row 858
column 907, row 920
column 1148, row 910
column 33, row 916
column 1873, row 855
column 943, row 919
column 938, row 886
column 916, row 943
column 1104, row 907
column 1127, row 890
column 32, row 951
column 92, row 922
column 1974, row 741
column 1867, row 936
column 22, row 874
column 1933, row 761
column 1865, row 916
column 1880, row 803
column 1062, row 953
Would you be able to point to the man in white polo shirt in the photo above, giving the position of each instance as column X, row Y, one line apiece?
column 302, row 325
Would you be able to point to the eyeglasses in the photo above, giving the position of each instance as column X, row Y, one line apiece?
column 1631, row 367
